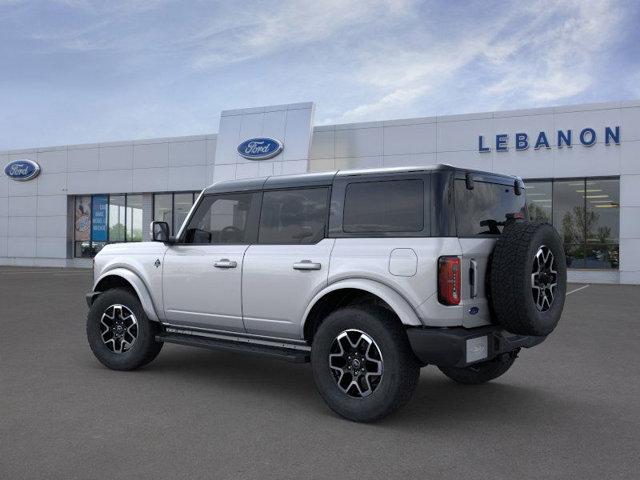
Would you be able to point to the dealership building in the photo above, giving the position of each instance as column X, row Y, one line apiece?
column 581, row 165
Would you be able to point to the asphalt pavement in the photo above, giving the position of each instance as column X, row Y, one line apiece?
column 569, row 408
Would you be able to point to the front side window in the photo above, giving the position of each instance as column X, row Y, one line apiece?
column 485, row 209
column 384, row 206
column 220, row 219
column 293, row 216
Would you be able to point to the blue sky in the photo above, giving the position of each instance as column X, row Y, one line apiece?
column 76, row 71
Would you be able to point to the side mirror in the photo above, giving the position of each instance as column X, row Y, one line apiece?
column 160, row 231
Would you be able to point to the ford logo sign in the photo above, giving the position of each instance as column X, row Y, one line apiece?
column 474, row 310
column 22, row 170
column 260, row 148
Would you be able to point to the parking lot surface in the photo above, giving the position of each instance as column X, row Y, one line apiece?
column 569, row 408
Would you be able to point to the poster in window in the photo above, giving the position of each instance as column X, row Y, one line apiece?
column 99, row 208
column 83, row 219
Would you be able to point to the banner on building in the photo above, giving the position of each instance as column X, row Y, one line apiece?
column 82, row 219
column 99, row 218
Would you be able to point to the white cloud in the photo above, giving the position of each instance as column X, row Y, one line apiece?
column 554, row 63
column 543, row 52
column 160, row 67
column 288, row 24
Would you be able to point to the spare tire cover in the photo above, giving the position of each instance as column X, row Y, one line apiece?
column 528, row 278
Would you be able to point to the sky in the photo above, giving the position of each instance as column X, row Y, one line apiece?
column 79, row 71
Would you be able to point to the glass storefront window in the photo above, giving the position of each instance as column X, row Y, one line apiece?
column 182, row 203
column 173, row 208
column 117, row 218
column 569, row 219
column 539, row 201
column 586, row 213
column 134, row 218
column 603, row 223
column 163, row 208
column 102, row 219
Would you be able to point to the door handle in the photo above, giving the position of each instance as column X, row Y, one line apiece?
column 473, row 278
column 307, row 265
column 225, row 263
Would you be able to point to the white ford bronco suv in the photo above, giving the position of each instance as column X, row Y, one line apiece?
column 369, row 275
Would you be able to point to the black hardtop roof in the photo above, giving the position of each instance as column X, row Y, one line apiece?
column 327, row 178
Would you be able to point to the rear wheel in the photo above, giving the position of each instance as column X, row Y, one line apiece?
column 119, row 333
column 481, row 372
column 362, row 363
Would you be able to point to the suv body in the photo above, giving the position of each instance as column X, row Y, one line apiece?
column 261, row 263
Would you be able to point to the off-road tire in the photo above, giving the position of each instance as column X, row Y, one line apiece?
column 400, row 368
column 480, row 372
column 512, row 296
column 144, row 349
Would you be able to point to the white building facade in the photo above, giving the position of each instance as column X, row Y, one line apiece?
column 581, row 165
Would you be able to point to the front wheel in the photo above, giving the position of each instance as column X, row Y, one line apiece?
column 119, row 333
column 362, row 363
column 481, row 372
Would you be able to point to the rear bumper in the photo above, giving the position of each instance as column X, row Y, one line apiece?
column 460, row 347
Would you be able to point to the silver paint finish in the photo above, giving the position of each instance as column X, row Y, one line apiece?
column 278, row 283
column 269, row 290
column 364, row 263
column 475, row 256
column 135, row 263
column 202, row 286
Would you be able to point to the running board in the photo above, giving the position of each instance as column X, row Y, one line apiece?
column 281, row 353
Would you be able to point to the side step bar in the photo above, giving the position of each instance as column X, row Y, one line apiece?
column 281, row 353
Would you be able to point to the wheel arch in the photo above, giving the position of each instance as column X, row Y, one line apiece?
column 123, row 278
column 349, row 292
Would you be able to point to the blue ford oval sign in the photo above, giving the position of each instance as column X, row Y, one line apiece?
column 22, row 170
column 260, row 148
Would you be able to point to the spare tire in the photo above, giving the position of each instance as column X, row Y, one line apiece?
column 528, row 278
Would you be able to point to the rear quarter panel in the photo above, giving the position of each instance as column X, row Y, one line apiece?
column 369, row 258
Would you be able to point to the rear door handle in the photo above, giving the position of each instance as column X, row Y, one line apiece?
column 225, row 263
column 473, row 278
column 307, row 265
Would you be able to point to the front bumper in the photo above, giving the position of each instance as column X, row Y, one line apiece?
column 460, row 347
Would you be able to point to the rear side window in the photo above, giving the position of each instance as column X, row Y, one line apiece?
column 384, row 206
column 293, row 216
column 484, row 210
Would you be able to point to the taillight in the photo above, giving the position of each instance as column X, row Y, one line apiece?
column 449, row 280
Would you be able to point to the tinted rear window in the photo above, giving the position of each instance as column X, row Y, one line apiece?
column 293, row 216
column 484, row 210
column 385, row 206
